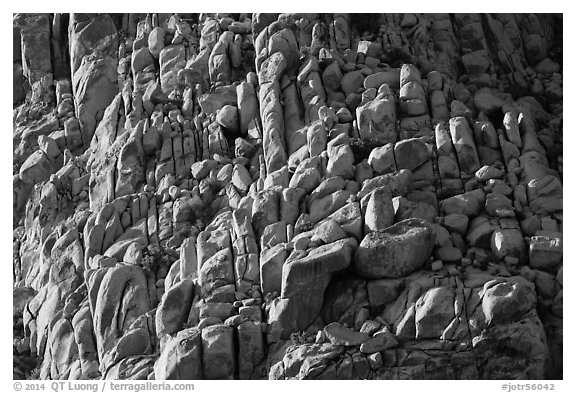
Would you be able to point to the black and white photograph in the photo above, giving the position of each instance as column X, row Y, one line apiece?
column 286, row 196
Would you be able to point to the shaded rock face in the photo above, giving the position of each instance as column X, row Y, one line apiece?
column 34, row 44
column 287, row 196
column 93, row 58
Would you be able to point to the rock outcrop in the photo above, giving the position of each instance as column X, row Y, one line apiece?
column 288, row 196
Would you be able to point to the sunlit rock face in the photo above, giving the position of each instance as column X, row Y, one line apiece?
column 287, row 196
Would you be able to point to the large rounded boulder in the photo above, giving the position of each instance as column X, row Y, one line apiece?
column 227, row 117
column 396, row 251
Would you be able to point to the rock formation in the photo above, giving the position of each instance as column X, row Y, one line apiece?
column 288, row 196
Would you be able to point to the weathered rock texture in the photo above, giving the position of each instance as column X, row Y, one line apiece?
column 310, row 196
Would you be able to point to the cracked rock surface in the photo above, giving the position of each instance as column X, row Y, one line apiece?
column 287, row 196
